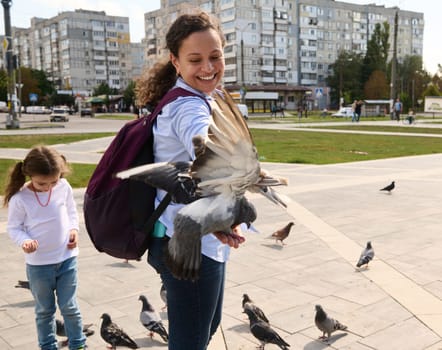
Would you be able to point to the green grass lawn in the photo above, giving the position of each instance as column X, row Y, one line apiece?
column 387, row 128
column 328, row 148
column 28, row 141
column 281, row 146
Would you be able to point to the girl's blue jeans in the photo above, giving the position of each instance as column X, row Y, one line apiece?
column 51, row 282
column 194, row 308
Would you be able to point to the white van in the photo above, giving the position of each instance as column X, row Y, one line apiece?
column 4, row 107
column 244, row 110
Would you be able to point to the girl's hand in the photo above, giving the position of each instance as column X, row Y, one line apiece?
column 233, row 239
column 30, row 245
column 73, row 239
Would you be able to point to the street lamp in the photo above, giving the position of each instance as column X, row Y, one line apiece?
column 242, row 53
column 11, row 119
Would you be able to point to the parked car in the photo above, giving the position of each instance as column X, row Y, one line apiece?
column 60, row 115
column 86, row 111
column 244, row 110
column 343, row 112
column 4, row 107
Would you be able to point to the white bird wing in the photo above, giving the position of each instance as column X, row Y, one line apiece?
column 229, row 157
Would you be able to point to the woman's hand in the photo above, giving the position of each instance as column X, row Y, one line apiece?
column 73, row 239
column 233, row 239
column 30, row 245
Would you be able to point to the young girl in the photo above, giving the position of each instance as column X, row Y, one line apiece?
column 43, row 221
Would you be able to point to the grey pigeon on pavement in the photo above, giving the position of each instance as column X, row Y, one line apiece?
column 388, row 188
column 262, row 331
column 163, row 295
column 61, row 331
column 366, row 255
column 114, row 335
column 213, row 186
column 326, row 324
column 247, row 303
column 22, row 284
column 151, row 320
column 283, row 233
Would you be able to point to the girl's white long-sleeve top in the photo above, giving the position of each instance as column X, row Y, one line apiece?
column 49, row 225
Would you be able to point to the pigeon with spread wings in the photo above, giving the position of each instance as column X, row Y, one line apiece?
column 213, row 185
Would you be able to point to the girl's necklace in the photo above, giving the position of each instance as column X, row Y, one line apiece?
column 38, row 199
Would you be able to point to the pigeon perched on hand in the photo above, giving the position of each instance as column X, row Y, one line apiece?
column 326, row 324
column 388, row 188
column 61, row 331
column 151, row 320
column 262, row 331
column 213, row 186
column 114, row 335
column 366, row 255
column 22, row 284
column 283, row 233
column 247, row 303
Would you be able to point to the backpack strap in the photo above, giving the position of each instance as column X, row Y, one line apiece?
column 170, row 96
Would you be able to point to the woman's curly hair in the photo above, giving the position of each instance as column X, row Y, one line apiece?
column 155, row 82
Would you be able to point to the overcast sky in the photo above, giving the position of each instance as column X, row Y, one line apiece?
column 23, row 10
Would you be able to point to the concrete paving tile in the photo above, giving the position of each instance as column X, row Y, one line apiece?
column 356, row 346
column 363, row 292
column 338, row 339
column 437, row 346
column 435, row 288
column 409, row 334
column 314, row 286
column 20, row 335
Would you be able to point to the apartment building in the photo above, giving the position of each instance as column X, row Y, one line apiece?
column 78, row 49
column 287, row 46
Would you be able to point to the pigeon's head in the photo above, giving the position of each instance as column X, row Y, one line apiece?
column 106, row 319
column 369, row 245
column 318, row 308
column 245, row 298
column 146, row 304
column 272, row 195
column 245, row 212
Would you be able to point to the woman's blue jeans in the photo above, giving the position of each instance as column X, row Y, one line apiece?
column 48, row 282
column 194, row 308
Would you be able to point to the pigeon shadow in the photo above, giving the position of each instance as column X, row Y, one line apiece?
column 126, row 265
column 21, row 304
column 240, row 328
column 313, row 345
column 149, row 342
column 273, row 246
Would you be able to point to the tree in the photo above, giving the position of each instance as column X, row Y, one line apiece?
column 3, row 85
column 377, row 51
column 376, row 87
column 346, row 76
column 46, row 87
column 129, row 94
column 104, row 89
column 30, row 85
column 413, row 80
column 432, row 90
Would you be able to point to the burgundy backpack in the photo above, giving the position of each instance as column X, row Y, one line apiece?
column 120, row 214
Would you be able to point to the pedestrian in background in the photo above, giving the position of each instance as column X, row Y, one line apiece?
column 43, row 221
column 397, row 109
column 353, row 111
column 358, row 110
